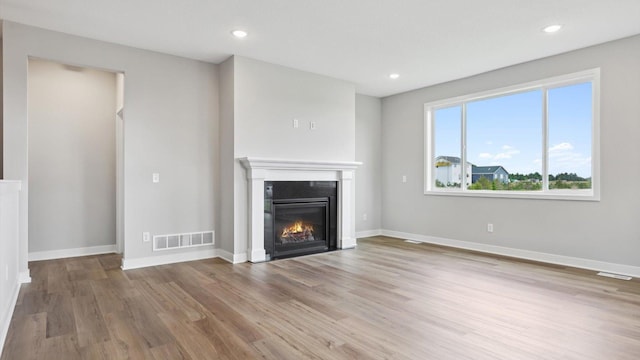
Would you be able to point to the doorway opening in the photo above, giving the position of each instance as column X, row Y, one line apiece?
column 75, row 181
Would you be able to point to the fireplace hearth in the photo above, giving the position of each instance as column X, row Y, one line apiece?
column 300, row 217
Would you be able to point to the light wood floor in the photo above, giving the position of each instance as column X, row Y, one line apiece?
column 384, row 300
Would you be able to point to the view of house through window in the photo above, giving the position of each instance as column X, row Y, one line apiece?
column 534, row 140
column 448, row 172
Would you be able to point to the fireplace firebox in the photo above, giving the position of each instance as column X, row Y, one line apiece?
column 300, row 217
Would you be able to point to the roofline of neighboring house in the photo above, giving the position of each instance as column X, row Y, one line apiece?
column 498, row 168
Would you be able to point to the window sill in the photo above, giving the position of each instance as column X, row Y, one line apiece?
column 574, row 195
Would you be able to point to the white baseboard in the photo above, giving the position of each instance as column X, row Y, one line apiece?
column 201, row 254
column 232, row 258
column 368, row 233
column 348, row 243
column 5, row 321
column 24, row 277
column 67, row 253
column 581, row 263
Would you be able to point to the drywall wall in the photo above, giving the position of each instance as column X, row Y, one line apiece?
column 119, row 126
column 267, row 98
column 170, row 128
column 226, row 160
column 604, row 231
column 1, row 112
column 72, row 157
column 369, row 174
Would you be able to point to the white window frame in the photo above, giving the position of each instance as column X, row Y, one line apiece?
column 593, row 194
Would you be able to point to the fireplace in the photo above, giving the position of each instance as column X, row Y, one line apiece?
column 261, row 171
column 300, row 217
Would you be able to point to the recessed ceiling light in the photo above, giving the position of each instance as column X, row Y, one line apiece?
column 552, row 28
column 394, row 76
column 239, row 33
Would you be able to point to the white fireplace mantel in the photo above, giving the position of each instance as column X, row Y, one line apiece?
column 260, row 170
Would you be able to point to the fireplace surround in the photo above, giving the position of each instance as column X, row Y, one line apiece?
column 261, row 170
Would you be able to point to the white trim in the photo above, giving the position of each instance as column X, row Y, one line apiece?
column 232, row 258
column 287, row 164
column 8, row 315
column 577, row 195
column 67, row 253
column 368, row 233
column 128, row 264
column 260, row 170
column 551, row 82
column 581, row 263
column 24, row 277
column 544, row 85
column 348, row 243
column 10, row 186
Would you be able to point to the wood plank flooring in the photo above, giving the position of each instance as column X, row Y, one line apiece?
column 387, row 299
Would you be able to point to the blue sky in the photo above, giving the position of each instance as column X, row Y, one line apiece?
column 507, row 131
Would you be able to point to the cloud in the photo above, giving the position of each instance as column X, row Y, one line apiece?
column 560, row 147
column 489, row 142
column 563, row 158
column 504, row 155
column 507, row 153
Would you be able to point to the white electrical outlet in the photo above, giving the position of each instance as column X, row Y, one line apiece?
column 156, row 177
column 295, row 123
column 490, row 228
column 312, row 125
column 404, row 178
column 146, row 237
column 364, row 216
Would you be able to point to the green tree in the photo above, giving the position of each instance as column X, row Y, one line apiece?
column 482, row 184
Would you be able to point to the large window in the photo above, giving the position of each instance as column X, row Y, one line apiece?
column 532, row 140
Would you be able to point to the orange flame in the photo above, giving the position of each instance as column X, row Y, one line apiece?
column 297, row 228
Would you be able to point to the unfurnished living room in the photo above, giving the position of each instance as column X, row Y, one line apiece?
column 299, row 179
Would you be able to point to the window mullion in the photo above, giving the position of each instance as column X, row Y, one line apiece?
column 545, row 140
column 463, row 150
column 429, row 149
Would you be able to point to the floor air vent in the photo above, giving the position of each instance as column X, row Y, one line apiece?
column 177, row 241
column 615, row 276
column 412, row 241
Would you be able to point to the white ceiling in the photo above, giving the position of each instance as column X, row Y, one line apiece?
column 361, row 41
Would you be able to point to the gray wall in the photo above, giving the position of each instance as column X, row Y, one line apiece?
column 119, row 126
column 369, row 152
column 266, row 99
column 170, row 127
column 226, row 160
column 269, row 97
column 604, row 231
column 1, row 110
column 72, row 157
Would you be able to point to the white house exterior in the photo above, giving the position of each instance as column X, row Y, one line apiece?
column 449, row 172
